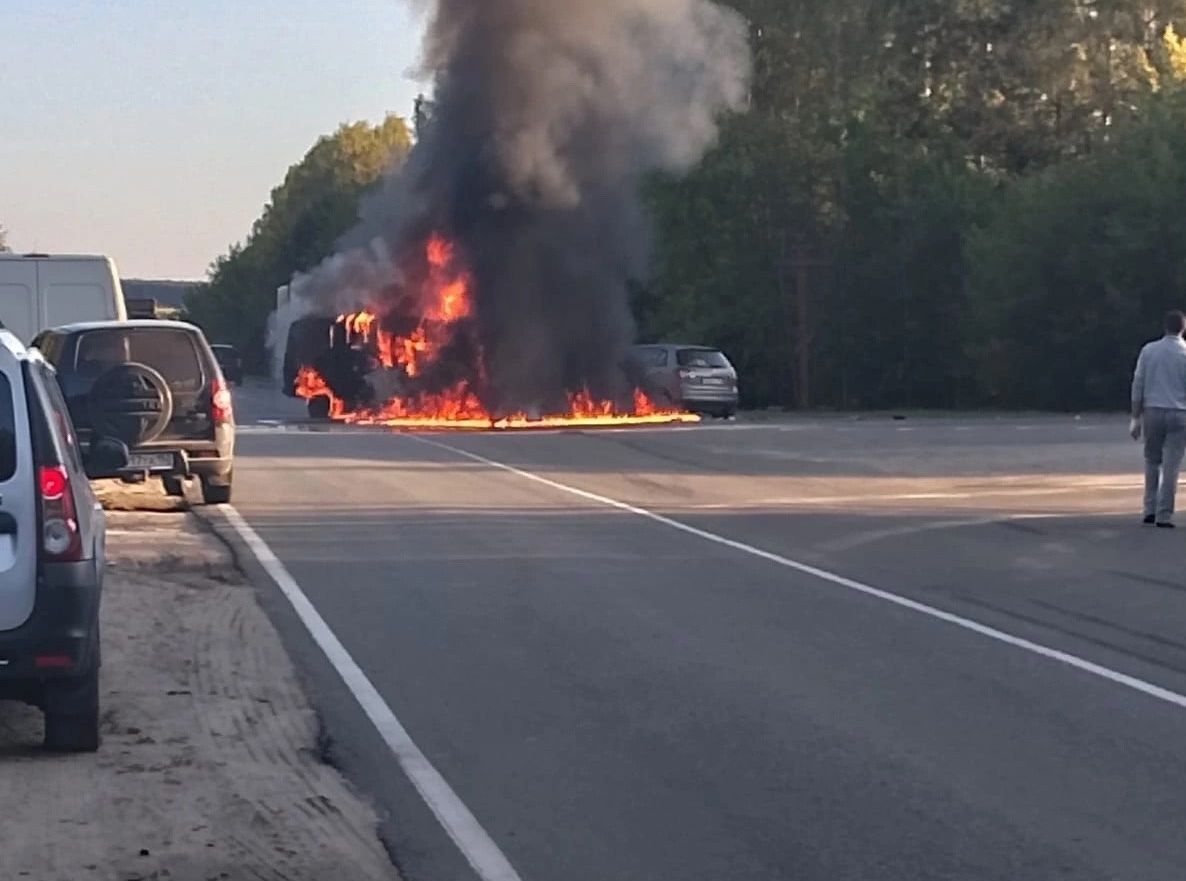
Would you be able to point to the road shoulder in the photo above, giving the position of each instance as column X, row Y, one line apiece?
column 211, row 766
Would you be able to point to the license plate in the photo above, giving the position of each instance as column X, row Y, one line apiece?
column 150, row 461
column 715, row 380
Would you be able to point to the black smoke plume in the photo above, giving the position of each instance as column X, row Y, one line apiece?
column 545, row 117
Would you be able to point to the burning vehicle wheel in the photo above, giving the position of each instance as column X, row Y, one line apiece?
column 319, row 407
column 131, row 402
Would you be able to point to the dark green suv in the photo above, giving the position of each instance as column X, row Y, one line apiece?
column 157, row 387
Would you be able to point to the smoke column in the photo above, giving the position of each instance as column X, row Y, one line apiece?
column 546, row 116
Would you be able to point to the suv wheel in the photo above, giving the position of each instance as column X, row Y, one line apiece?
column 72, row 713
column 173, row 485
column 132, row 402
column 214, row 494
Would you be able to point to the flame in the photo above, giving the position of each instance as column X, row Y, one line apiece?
column 409, row 351
column 439, row 252
column 459, row 409
column 452, row 303
column 358, row 324
column 449, row 289
column 446, row 302
column 310, row 384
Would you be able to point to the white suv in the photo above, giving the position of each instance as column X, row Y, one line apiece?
column 52, row 557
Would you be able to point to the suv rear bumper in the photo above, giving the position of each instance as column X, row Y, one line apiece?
column 64, row 627
column 186, row 463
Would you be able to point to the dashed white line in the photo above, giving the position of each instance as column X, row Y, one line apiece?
column 1070, row 660
column 467, row 833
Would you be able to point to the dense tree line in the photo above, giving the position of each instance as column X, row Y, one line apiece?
column 929, row 203
column 988, row 193
column 315, row 204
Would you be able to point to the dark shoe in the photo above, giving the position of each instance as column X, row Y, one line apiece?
column 1149, row 520
column 1165, row 526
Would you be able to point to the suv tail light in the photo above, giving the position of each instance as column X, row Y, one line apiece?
column 221, row 410
column 60, row 538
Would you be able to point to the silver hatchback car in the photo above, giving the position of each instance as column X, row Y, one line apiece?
column 698, row 378
column 52, row 552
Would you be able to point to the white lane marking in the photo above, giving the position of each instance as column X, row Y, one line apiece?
column 873, row 498
column 1124, row 679
column 467, row 833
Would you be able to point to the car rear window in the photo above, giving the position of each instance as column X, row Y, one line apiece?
column 701, row 358
column 171, row 353
column 651, row 356
column 7, row 430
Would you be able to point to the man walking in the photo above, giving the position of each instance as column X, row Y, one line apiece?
column 1159, row 411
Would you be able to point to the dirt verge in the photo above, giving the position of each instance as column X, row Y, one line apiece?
column 209, row 767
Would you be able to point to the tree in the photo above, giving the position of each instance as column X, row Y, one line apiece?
column 938, row 154
column 1077, row 264
column 313, row 207
column 3, row 239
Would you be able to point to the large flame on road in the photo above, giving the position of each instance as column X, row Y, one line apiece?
column 445, row 304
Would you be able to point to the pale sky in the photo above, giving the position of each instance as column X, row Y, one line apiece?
column 154, row 131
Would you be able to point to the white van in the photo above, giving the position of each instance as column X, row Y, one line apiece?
column 38, row 291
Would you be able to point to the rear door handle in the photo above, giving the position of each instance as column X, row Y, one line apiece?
column 7, row 524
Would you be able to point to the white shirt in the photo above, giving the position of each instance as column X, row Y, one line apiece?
column 1160, row 377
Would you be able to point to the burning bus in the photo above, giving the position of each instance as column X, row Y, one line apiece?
column 323, row 365
column 421, row 364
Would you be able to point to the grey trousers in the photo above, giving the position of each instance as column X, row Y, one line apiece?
column 1165, row 442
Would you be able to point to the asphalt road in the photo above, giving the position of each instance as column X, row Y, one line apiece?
column 616, row 698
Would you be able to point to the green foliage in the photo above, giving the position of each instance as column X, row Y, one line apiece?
column 1076, row 266
column 993, row 188
column 314, row 206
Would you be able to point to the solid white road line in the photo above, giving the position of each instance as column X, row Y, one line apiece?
column 467, row 833
column 1124, row 679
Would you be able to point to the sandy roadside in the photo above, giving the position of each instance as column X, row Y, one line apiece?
column 209, row 767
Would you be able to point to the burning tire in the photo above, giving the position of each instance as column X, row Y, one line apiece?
column 319, row 407
column 131, row 402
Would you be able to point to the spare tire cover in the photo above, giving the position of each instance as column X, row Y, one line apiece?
column 131, row 402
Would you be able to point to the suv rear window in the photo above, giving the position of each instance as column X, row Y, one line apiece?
column 7, row 430
column 171, row 353
column 701, row 358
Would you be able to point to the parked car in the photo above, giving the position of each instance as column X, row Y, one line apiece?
column 52, row 552
column 155, row 386
column 39, row 291
column 698, row 378
column 230, row 362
